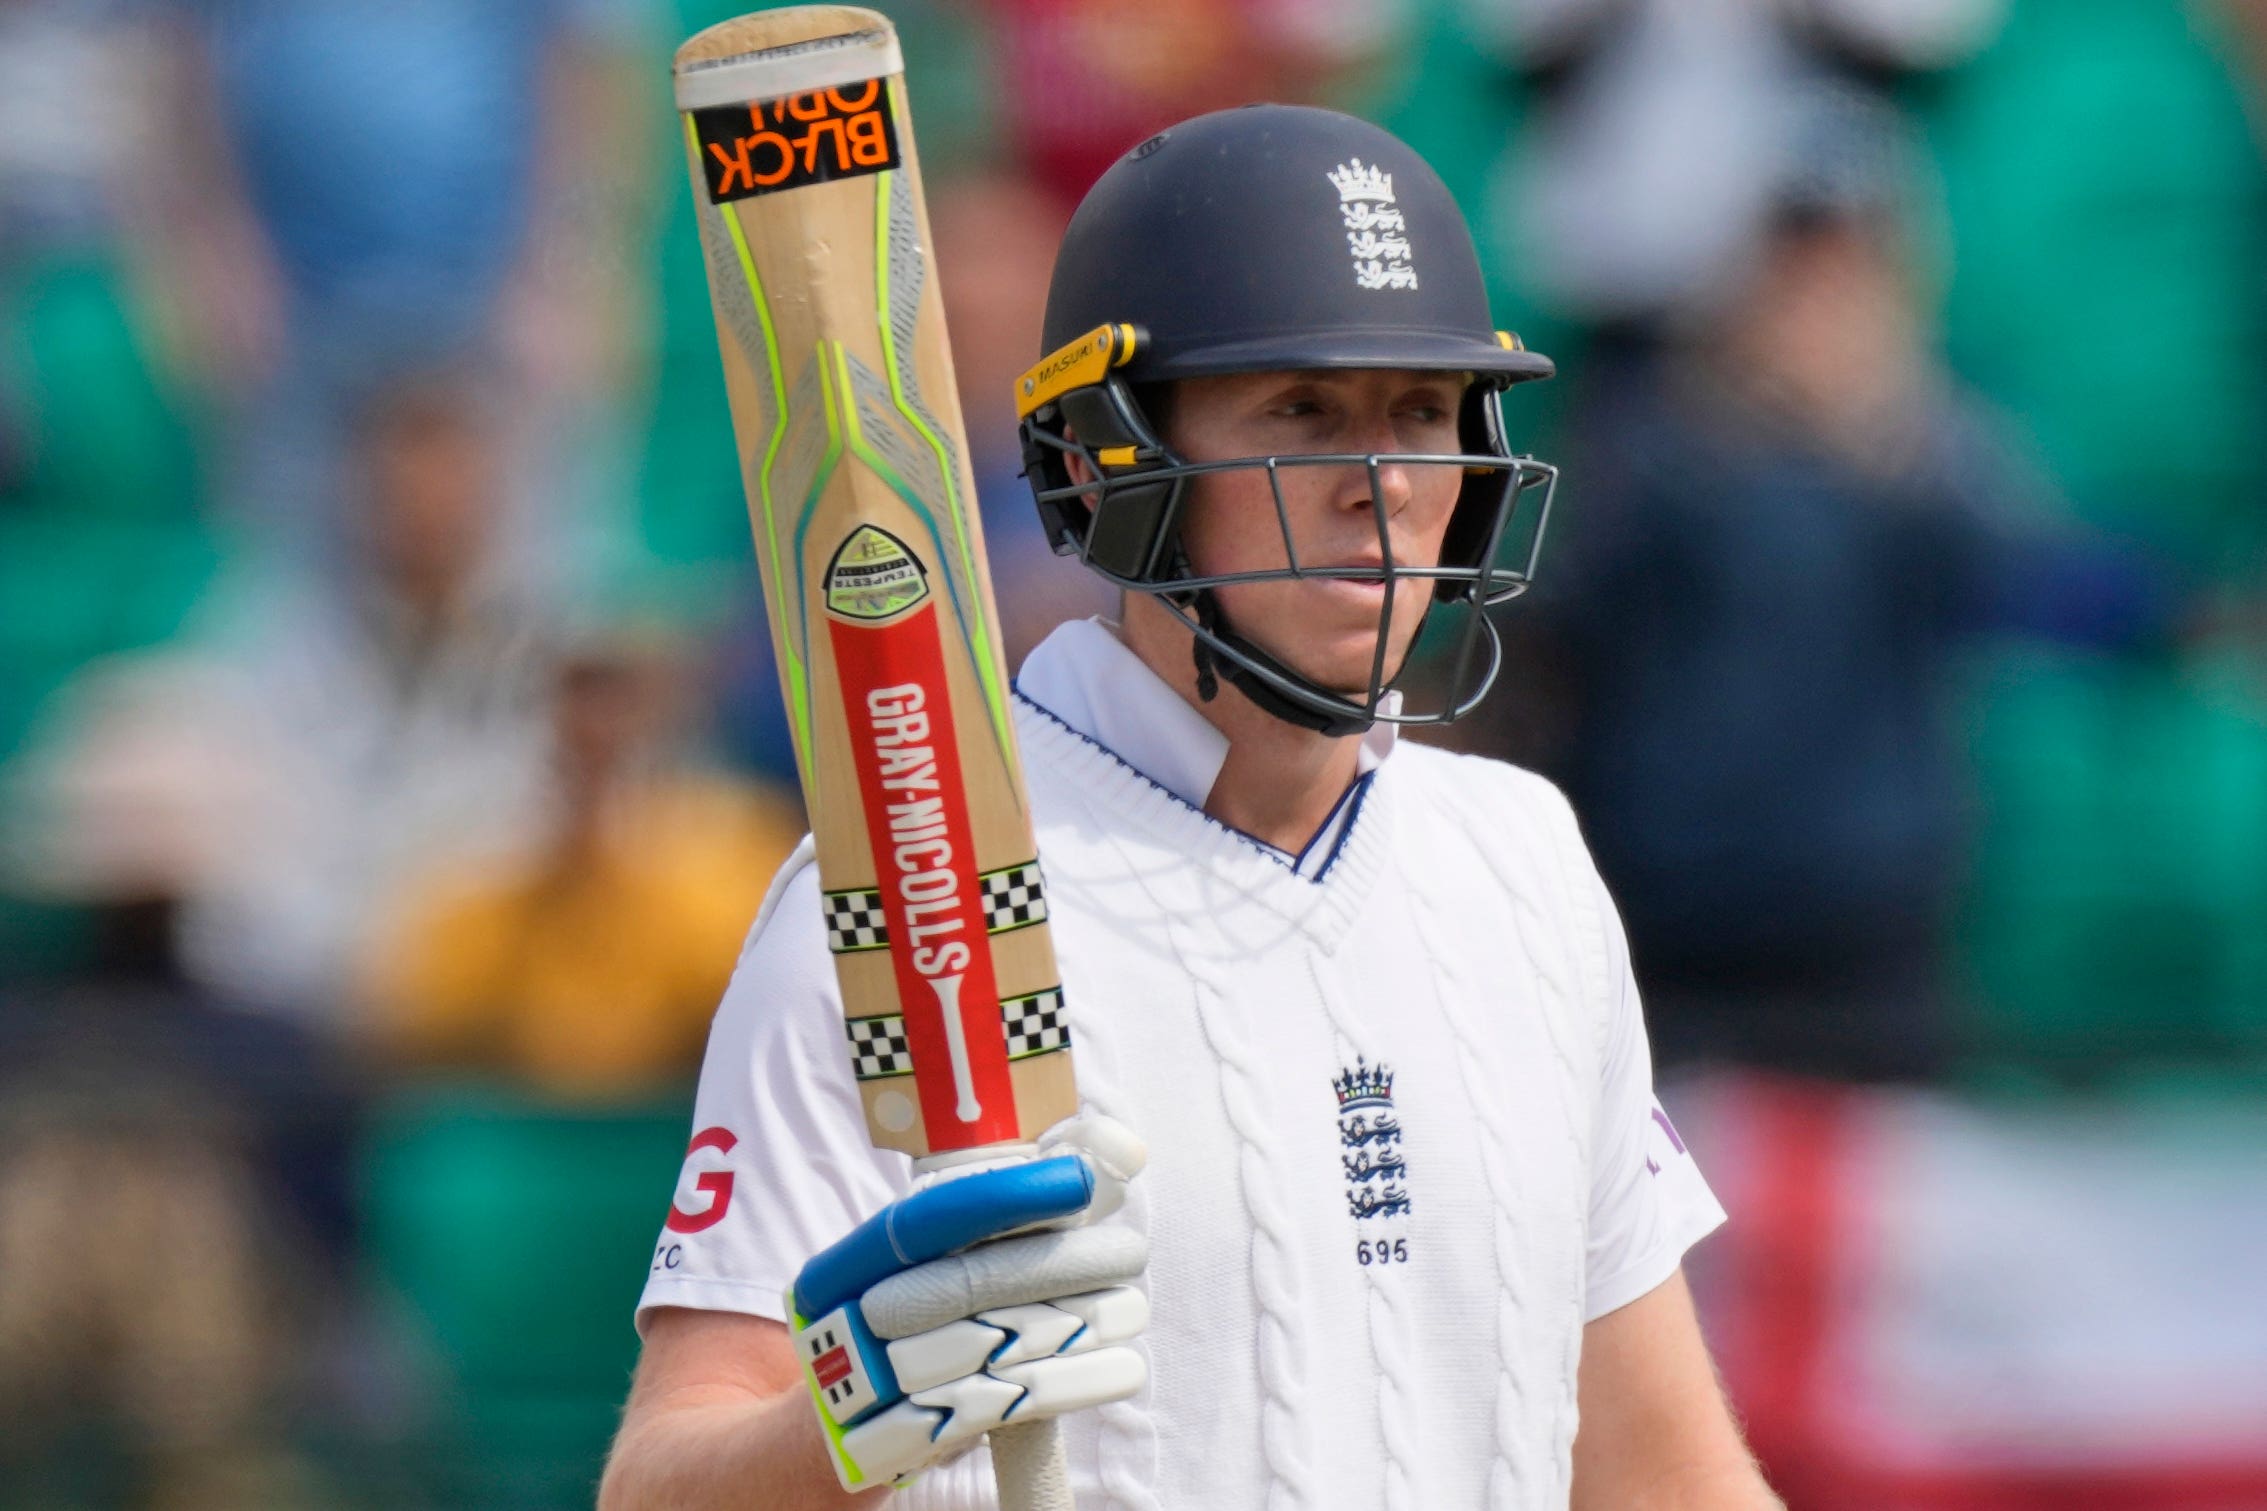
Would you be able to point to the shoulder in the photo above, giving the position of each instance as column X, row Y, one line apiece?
column 784, row 968
column 790, row 910
column 1474, row 790
column 1522, row 832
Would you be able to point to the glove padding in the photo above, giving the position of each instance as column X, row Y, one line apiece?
column 925, row 1328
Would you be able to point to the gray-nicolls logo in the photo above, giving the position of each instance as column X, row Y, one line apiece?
column 1376, row 234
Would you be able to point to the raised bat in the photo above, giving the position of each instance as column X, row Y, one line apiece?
column 880, row 603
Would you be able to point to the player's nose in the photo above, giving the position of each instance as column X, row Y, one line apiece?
column 1383, row 481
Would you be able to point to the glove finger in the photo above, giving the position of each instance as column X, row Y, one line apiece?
column 1117, row 1315
column 1018, row 1335
column 1074, row 1382
column 943, row 1219
column 1010, row 1272
column 918, row 1430
column 976, row 1404
column 1111, row 1150
column 929, row 1359
column 1067, row 1326
column 1111, row 1145
column 890, row 1445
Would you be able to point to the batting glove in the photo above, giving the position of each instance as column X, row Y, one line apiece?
column 944, row 1315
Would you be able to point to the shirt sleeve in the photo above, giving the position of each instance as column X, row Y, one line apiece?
column 779, row 1164
column 1648, row 1201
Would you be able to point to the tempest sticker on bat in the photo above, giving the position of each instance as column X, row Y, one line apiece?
column 874, row 575
column 770, row 145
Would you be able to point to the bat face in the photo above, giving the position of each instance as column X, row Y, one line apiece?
column 874, row 575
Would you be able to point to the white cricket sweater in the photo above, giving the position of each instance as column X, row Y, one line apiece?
column 1403, row 1138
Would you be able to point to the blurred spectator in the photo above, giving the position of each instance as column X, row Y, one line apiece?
column 140, row 1292
column 2109, row 209
column 367, row 187
column 751, row 712
column 386, row 719
column 1639, row 187
column 1088, row 79
column 100, row 482
column 65, row 179
column 173, row 1208
column 995, row 242
column 84, row 417
column 1780, row 533
column 586, row 964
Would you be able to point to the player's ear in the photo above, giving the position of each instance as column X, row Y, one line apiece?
column 1074, row 462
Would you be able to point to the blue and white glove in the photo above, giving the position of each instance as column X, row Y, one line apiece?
column 927, row 1327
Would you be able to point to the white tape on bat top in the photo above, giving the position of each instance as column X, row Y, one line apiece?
column 797, row 68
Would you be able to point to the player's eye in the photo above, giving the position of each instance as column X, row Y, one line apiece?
column 1425, row 416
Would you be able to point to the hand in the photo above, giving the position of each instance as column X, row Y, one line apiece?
column 944, row 1316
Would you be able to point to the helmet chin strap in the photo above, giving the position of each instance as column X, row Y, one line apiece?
column 1210, row 667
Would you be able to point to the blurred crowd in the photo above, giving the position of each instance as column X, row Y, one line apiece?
column 391, row 759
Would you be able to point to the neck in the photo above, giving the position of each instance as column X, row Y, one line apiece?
column 1279, row 781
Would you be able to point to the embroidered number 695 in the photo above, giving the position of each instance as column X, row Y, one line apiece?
column 1382, row 1251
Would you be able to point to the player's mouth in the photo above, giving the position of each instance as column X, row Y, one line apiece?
column 1369, row 584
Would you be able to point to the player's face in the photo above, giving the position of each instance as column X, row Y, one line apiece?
column 1326, row 629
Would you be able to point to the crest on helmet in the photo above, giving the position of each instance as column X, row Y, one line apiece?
column 1376, row 233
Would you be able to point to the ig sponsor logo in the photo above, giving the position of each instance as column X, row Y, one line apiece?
column 711, row 1180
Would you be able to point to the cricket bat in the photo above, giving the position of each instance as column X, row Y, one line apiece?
column 880, row 603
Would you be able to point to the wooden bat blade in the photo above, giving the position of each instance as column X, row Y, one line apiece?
column 879, row 598
column 880, row 603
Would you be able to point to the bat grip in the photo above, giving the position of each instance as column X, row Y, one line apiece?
column 1028, row 1468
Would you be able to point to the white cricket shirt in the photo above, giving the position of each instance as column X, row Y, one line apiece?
column 1398, row 1102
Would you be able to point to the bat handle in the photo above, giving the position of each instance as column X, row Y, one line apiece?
column 1028, row 1468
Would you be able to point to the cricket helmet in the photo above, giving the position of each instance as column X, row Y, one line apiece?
column 1273, row 238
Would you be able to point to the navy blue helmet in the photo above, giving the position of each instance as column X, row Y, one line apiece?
column 1273, row 238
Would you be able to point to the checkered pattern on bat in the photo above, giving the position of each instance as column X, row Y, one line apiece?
column 1013, row 899
column 855, row 920
column 878, row 1047
column 1035, row 1024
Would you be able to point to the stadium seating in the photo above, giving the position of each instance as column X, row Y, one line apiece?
column 515, row 1235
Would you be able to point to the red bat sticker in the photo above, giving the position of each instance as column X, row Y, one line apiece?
column 909, row 778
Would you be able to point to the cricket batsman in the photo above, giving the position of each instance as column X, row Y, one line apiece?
column 1403, row 1225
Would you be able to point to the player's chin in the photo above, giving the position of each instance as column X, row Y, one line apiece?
column 1344, row 660
column 1327, row 629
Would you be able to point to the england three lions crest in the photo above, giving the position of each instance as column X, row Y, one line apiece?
column 1370, row 1155
column 1376, row 233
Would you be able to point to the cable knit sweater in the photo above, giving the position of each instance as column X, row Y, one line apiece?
column 1403, row 1138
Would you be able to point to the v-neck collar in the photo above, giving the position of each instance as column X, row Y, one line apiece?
column 1223, row 862
column 1088, row 678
